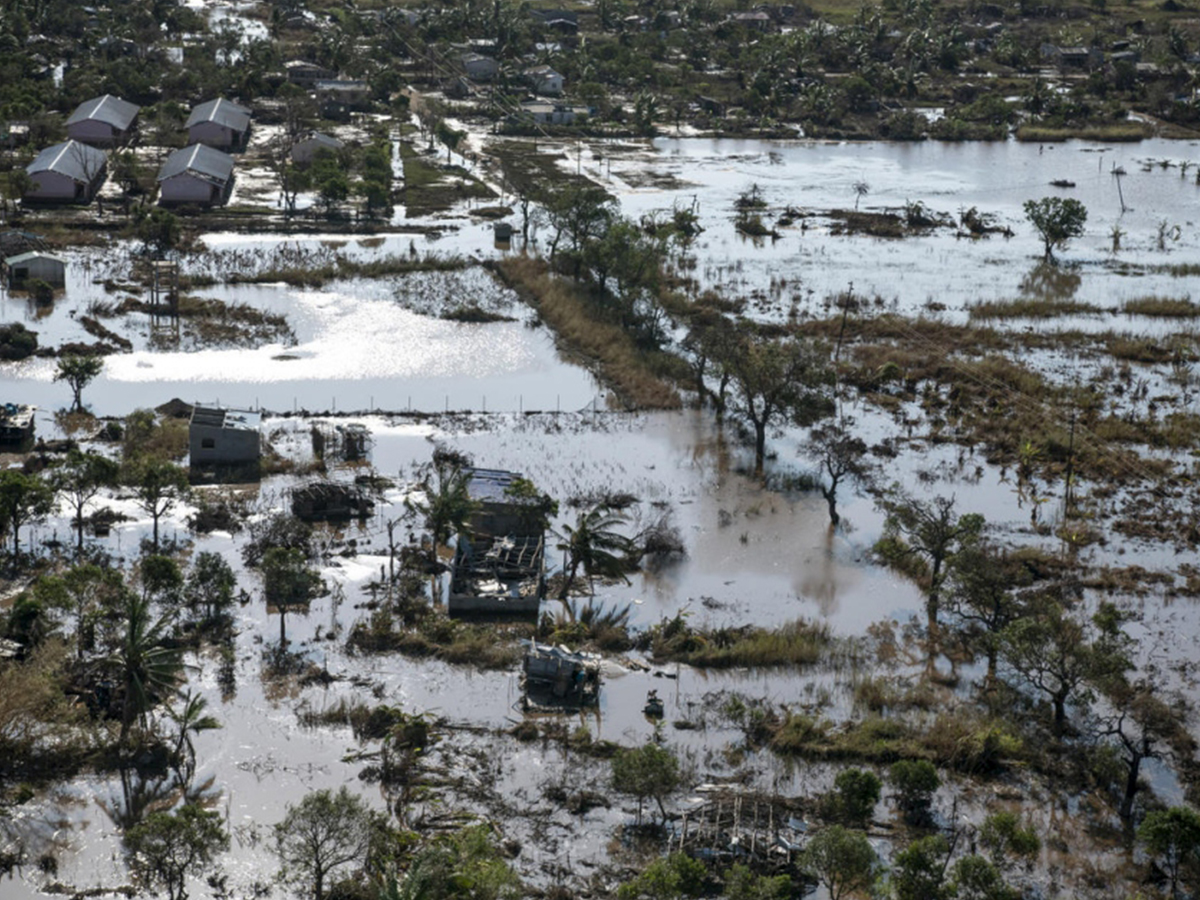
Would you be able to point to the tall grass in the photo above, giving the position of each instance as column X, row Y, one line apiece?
column 1027, row 308
column 619, row 362
column 794, row 644
column 1163, row 307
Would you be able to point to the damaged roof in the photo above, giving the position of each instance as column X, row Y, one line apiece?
column 221, row 112
column 199, row 161
column 108, row 109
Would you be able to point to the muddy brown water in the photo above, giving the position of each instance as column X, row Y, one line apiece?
column 753, row 555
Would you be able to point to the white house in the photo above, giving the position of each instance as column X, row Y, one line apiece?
column 544, row 80
column 546, row 113
column 196, row 174
column 69, row 172
column 219, row 123
column 102, row 121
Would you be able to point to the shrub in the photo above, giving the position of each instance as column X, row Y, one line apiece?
column 855, row 793
column 914, row 781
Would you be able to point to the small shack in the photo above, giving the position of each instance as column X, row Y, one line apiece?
column 16, row 424
column 103, row 121
column 196, row 174
column 219, row 123
column 556, row 676
column 36, row 266
column 479, row 67
column 305, row 150
column 69, row 172
column 331, row 501
column 219, row 436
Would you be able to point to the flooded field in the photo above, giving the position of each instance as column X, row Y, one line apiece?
column 501, row 393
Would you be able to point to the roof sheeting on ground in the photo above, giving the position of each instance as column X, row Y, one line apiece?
column 221, row 112
column 109, row 109
column 199, row 161
column 71, row 158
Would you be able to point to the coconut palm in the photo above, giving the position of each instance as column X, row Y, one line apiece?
column 147, row 669
column 191, row 719
column 596, row 546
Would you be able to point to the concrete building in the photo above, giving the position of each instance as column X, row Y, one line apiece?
column 306, row 149
column 69, row 172
column 102, row 121
column 546, row 113
column 196, row 174
column 223, row 437
column 35, row 265
column 338, row 97
column 219, row 123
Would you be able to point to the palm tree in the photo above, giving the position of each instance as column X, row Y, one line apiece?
column 148, row 670
column 192, row 718
column 594, row 545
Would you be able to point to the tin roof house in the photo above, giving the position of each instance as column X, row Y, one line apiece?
column 305, row 150
column 35, row 265
column 102, row 121
column 219, row 123
column 69, row 172
column 196, row 174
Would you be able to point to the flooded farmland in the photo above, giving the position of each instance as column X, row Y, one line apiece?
column 755, row 551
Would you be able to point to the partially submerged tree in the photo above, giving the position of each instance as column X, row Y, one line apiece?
column 210, row 584
column 986, row 593
column 649, row 772
column 1057, row 220
column 842, row 457
column 594, row 544
column 78, row 479
column 23, row 499
column 159, row 486
column 323, row 835
column 841, row 860
column 147, row 669
column 78, row 372
column 777, row 380
column 924, row 538
column 1060, row 653
column 289, row 583
column 169, row 847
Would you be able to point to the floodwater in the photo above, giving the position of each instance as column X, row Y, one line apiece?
column 753, row 555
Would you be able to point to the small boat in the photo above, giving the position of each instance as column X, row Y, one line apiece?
column 654, row 707
column 1062, row 183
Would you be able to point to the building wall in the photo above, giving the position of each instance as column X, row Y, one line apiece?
column 50, row 271
column 207, row 444
column 51, row 186
column 186, row 189
column 90, row 131
column 213, row 135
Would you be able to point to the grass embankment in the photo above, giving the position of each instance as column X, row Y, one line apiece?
column 317, row 276
column 426, row 186
column 563, row 306
column 1112, row 132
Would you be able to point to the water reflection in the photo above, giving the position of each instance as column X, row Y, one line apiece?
column 1048, row 282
